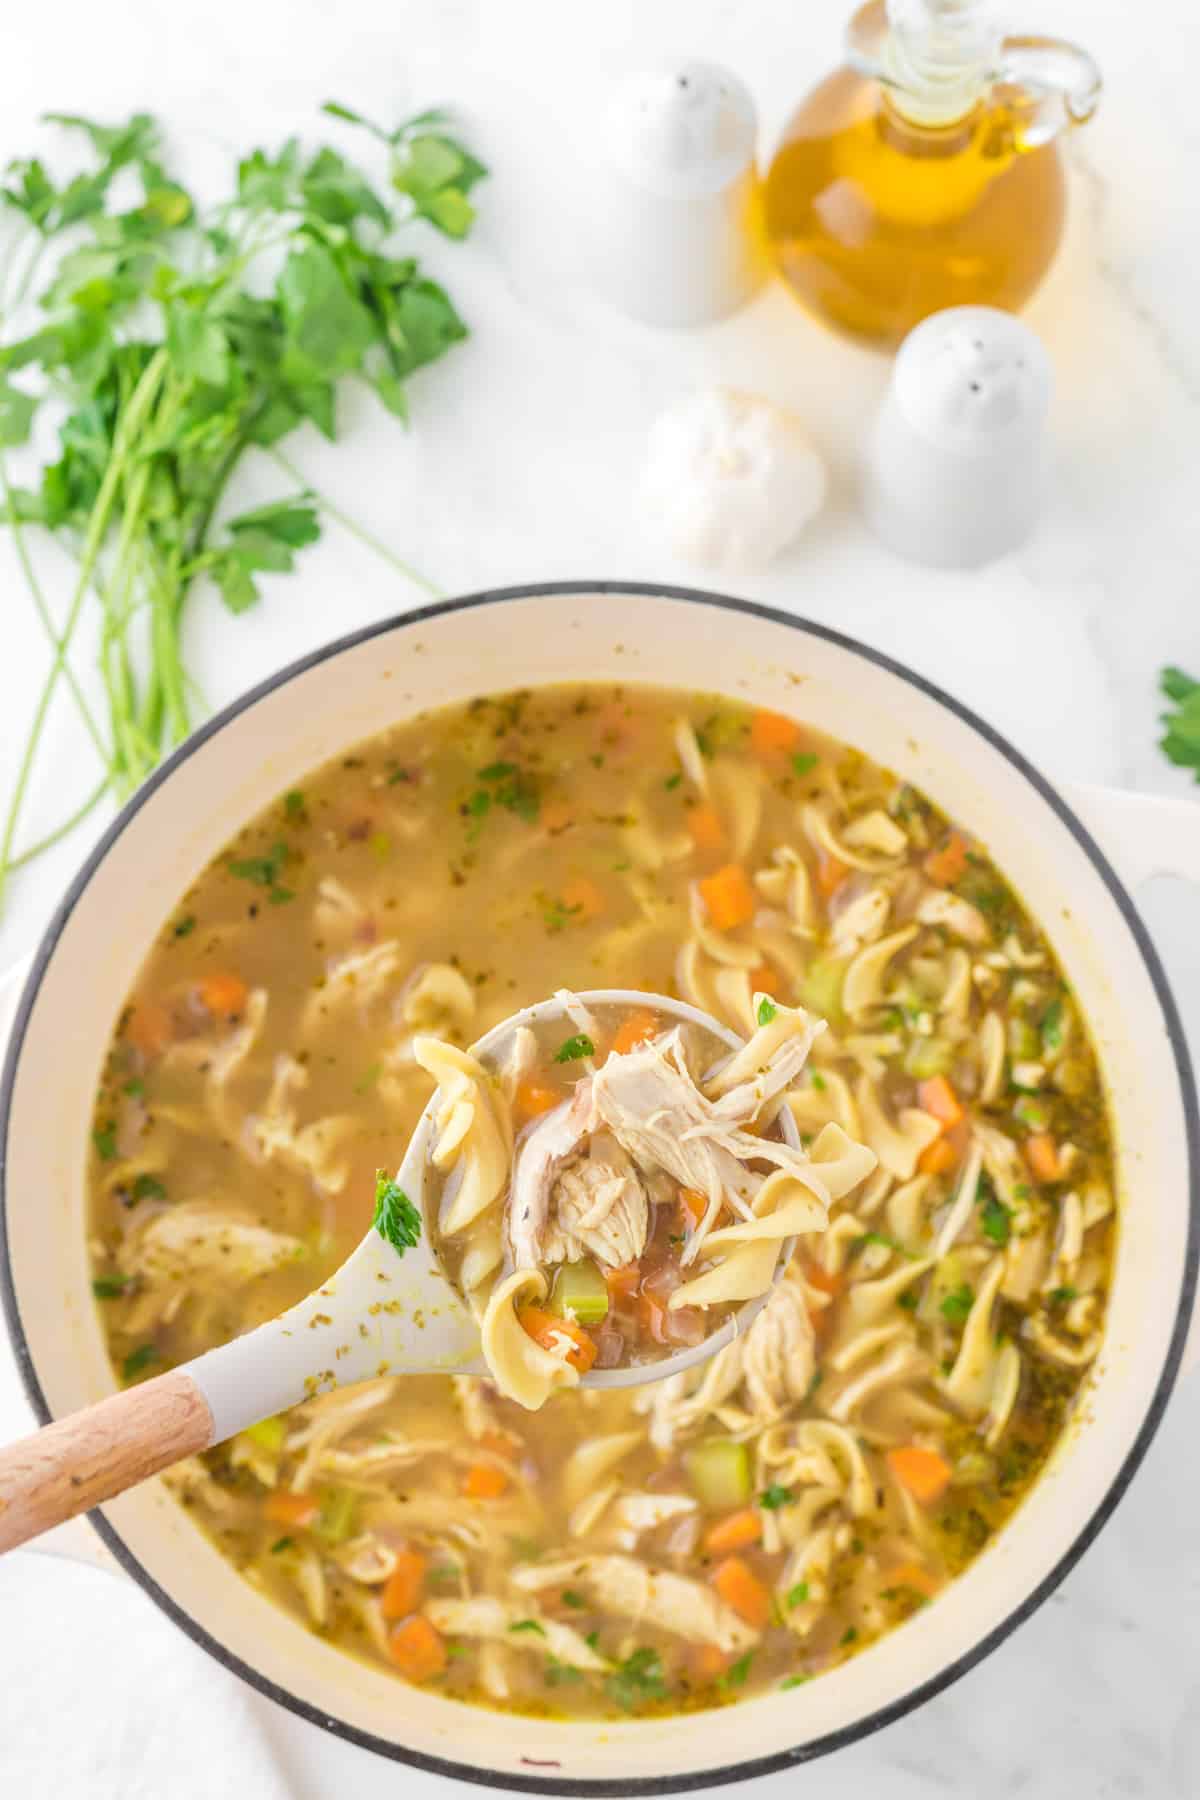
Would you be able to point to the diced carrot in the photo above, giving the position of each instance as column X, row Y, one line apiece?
column 404, row 1586
column 734, row 1532
column 831, row 872
column 223, row 995
column 772, row 734
column 562, row 1337
column 623, row 1281
column 704, row 825
column 694, row 1205
column 764, row 980
column 637, row 1028
column 706, row 1664
column 948, row 863
column 937, row 1158
column 148, row 1027
column 821, row 1278
column 533, row 1097
column 740, row 1588
column 556, row 815
column 729, row 897
column 937, row 1097
column 923, row 1472
column 582, row 898
column 285, row 1508
column 417, row 1649
column 912, row 1575
column 1041, row 1153
column 484, row 1481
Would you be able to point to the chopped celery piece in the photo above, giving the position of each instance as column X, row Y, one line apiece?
column 268, row 1434
column 1024, row 1044
column 580, row 1292
column 925, row 1057
column 719, row 1471
column 822, row 986
column 336, row 1521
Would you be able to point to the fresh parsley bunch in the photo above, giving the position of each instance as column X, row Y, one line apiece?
column 1180, row 742
column 171, row 342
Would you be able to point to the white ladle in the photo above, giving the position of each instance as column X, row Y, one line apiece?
column 381, row 1313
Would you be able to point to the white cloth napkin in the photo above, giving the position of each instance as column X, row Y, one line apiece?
column 101, row 1697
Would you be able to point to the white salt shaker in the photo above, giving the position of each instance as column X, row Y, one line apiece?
column 675, row 192
column 954, row 469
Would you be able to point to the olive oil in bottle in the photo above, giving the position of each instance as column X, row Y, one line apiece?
column 926, row 173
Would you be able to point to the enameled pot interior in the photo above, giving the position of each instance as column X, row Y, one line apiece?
column 523, row 639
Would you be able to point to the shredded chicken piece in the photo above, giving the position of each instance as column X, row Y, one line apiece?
column 633, row 1514
column 196, row 1239
column 486, row 1617
column 599, row 1207
column 778, row 1353
column 627, row 1588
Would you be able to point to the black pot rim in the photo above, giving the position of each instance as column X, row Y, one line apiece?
column 743, row 1768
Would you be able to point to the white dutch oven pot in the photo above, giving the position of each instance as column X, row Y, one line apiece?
column 616, row 632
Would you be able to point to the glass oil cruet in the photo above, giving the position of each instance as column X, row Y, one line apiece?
column 926, row 172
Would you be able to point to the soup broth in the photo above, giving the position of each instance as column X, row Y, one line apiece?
column 747, row 1524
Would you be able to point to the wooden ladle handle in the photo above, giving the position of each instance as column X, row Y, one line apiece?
column 77, row 1462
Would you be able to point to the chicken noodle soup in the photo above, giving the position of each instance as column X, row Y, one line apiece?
column 610, row 1215
column 749, row 1523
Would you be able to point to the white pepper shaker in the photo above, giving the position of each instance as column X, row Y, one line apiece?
column 675, row 195
column 954, row 469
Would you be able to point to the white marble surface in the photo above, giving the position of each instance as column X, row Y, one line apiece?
column 518, row 466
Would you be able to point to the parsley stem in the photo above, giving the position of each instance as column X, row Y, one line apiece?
column 130, row 424
column 61, row 831
column 43, row 611
column 351, row 525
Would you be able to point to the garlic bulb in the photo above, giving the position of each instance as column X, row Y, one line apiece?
column 730, row 479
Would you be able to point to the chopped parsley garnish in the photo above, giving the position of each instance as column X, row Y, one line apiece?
column 795, row 1681
column 817, row 1081
column 571, row 1597
column 293, row 805
column 1052, row 1025
column 767, row 1010
column 956, row 1307
column 105, row 1139
column 797, row 1595
column 135, row 1087
column 380, row 845
column 877, row 1237
column 805, row 761
column 775, row 1496
column 1031, row 1113
column 1180, row 742
column 497, row 771
column 575, row 1047
column 528, row 1625
column 673, row 781
column 638, row 1678
column 849, row 1636
column 184, row 927
column 138, row 1361
column 559, row 1674
column 149, row 1187
column 736, row 1674
column 1062, row 1296
column 396, row 1218
column 556, row 916
column 281, row 1544
column 506, row 786
column 909, row 1301
column 368, row 1078
column 264, row 872
column 995, row 1219
column 110, row 1287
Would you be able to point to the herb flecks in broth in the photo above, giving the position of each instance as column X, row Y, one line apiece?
column 770, row 1514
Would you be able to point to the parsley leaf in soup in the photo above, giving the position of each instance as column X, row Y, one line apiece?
column 805, row 761
column 396, row 1218
column 148, row 1187
column 264, row 871
column 1180, row 743
column 736, row 1674
column 639, row 1678
column 956, row 1307
column 105, row 1139
column 110, row 1287
column 528, row 1625
column 797, row 1595
column 570, row 1597
column 766, row 1011
column 994, row 1218
column 775, row 1496
column 138, row 1361
column 575, row 1047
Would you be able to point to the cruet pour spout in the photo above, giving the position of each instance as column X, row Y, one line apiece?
column 938, row 59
